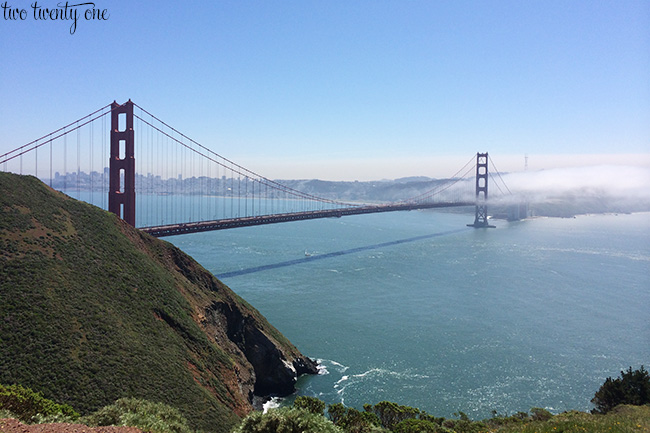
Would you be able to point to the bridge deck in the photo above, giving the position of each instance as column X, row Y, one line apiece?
column 203, row 226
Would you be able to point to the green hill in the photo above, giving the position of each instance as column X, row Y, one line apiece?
column 92, row 310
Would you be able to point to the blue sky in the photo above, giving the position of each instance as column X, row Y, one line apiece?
column 354, row 89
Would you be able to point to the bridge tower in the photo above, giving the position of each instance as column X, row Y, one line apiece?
column 481, row 215
column 122, row 163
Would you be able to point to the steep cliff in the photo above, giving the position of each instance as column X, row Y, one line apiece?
column 92, row 310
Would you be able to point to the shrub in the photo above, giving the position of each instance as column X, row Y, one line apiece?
column 4, row 414
column 467, row 426
column 633, row 387
column 286, row 420
column 312, row 404
column 352, row 420
column 426, row 417
column 146, row 415
column 539, row 414
column 390, row 414
column 356, row 421
column 336, row 412
column 25, row 404
column 419, row 426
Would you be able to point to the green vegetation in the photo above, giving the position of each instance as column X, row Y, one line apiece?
column 624, row 419
column 31, row 407
column 25, row 404
column 633, row 387
column 146, row 415
column 286, row 420
column 389, row 417
column 93, row 310
column 162, row 418
column 628, row 395
column 350, row 419
column 311, row 404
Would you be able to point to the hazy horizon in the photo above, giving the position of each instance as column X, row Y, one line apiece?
column 375, row 169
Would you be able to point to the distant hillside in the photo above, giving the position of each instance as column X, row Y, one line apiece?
column 539, row 191
column 92, row 310
column 368, row 191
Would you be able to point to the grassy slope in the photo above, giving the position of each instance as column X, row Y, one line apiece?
column 623, row 419
column 86, row 318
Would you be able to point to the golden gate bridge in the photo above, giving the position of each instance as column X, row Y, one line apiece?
column 164, row 183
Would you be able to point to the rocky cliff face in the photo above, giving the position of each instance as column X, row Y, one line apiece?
column 92, row 310
column 271, row 363
column 275, row 370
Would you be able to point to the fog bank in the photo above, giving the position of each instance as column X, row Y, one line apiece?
column 570, row 191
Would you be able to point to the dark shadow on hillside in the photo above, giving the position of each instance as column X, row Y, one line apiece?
column 336, row 254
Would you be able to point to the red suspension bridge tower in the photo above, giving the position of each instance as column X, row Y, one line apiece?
column 122, row 163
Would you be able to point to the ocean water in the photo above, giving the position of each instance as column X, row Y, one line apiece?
column 416, row 308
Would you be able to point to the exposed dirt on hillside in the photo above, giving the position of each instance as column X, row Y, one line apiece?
column 15, row 426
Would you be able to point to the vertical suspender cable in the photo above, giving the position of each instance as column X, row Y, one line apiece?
column 159, row 197
column 102, row 133
column 91, row 143
column 201, row 191
column 65, row 161
column 78, row 160
column 50, row 161
column 207, row 192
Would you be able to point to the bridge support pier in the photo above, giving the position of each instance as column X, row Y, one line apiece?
column 121, row 194
column 481, row 215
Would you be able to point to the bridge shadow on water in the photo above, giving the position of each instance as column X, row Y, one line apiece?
column 336, row 254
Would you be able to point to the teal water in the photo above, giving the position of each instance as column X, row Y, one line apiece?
column 416, row 308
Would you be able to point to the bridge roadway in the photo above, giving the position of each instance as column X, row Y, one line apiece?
column 204, row 226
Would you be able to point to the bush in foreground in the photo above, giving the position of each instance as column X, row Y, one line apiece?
column 26, row 404
column 633, row 387
column 623, row 419
column 286, row 420
column 419, row 426
column 146, row 415
column 4, row 413
column 312, row 404
column 352, row 420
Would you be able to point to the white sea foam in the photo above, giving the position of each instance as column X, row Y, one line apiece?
column 382, row 372
column 342, row 368
column 322, row 369
column 271, row 404
column 324, row 366
column 341, row 380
